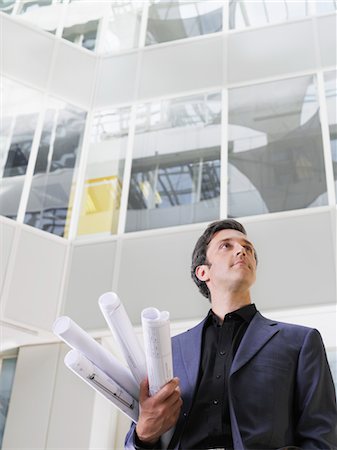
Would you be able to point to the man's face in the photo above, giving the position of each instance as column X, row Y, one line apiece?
column 231, row 263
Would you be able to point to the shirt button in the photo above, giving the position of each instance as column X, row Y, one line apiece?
column 215, row 402
column 185, row 414
column 218, row 376
column 222, row 352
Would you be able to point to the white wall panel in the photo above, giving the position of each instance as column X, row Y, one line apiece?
column 327, row 32
column 7, row 231
column 296, row 261
column 116, row 82
column 73, row 74
column 72, row 410
column 271, row 51
column 90, row 275
column 26, row 53
column 31, row 400
column 183, row 66
column 155, row 271
column 33, row 291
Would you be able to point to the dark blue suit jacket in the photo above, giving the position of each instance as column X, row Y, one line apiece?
column 281, row 391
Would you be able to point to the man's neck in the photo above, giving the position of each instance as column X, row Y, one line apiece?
column 228, row 302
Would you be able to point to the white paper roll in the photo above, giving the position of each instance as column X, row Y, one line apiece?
column 122, row 329
column 73, row 335
column 158, row 350
column 102, row 383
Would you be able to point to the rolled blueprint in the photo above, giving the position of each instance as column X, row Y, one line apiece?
column 158, row 350
column 102, row 383
column 122, row 329
column 73, row 335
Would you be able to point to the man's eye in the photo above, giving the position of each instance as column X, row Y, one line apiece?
column 248, row 248
column 225, row 244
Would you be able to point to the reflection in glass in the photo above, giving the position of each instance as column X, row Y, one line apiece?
column 7, row 372
column 246, row 13
column 49, row 203
column 168, row 21
column 45, row 14
column 123, row 23
column 20, row 107
column 7, row 6
column 104, row 174
column 330, row 80
column 82, row 22
column 275, row 148
column 325, row 6
column 175, row 175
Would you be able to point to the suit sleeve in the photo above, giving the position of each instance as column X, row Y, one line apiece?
column 315, row 397
column 131, row 441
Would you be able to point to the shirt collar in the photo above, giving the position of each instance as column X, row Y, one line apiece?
column 245, row 313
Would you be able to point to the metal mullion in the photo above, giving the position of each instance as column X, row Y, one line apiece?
column 224, row 156
column 31, row 163
column 143, row 25
column 49, row 159
column 323, row 113
column 225, row 16
column 16, row 8
column 60, row 26
column 127, row 171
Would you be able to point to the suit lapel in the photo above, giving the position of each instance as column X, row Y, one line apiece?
column 190, row 346
column 258, row 333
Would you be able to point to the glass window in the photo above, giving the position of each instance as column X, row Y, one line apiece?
column 246, row 13
column 123, row 24
column 175, row 175
column 104, row 174
column 7, row 6
column 49, row 203
column 275, row 148
column 82, row 22
column 171, row 20
column 325, row 6
column 330, row 79
column 20, row 108
column 45, row 14
column 7, row 372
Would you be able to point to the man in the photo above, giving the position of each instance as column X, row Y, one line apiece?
column 244, row 381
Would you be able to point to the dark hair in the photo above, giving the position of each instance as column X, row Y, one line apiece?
column 199, row 253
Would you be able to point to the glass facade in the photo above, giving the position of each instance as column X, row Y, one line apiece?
column 114, row 25
column 45, row 14
column 168, row 20
column 49, row 203
column 7, row 372
column 257, row 13
column 330, row 80
column 20, row 108
column 175, row 176
column 122, row 28
column 275, row 148
column 272, row 138
column 104, row 173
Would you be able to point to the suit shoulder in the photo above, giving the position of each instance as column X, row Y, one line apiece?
column 292, row 328
column 185, row 334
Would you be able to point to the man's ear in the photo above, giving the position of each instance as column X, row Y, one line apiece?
column 202, row 272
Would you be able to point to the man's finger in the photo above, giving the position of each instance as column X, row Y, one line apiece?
column 167, row 390
column 144, row 390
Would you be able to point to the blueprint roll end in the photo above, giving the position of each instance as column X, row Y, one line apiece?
column 61, row 325
column 109, row 301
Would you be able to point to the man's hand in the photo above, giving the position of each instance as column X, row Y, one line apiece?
column 158, row 413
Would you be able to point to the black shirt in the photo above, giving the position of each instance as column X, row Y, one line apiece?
column 208, row 425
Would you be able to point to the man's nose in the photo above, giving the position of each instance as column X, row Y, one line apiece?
column 240, row 250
